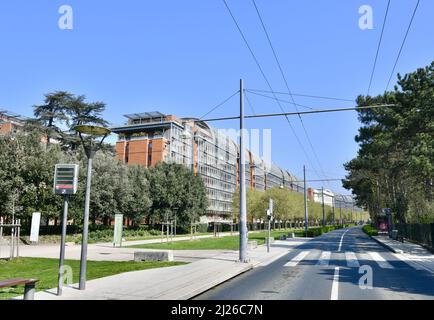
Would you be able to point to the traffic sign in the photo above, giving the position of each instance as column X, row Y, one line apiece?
column 65, row 179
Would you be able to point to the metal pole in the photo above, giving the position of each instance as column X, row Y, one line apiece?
column 340, row 213
column 333, row 208
column 323, row 207
column 192, row 149
column 243, row 209
column 167, row 229
column 62, row 245
column 83, row 259
column 12, row 240
column 269, row 235
column 175, row 225
column 306, row 214
column 18, row 237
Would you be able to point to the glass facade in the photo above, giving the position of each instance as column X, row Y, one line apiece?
column 210, row 153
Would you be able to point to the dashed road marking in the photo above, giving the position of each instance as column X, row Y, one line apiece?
column 380, row 260
column 297, row 259
column 335, row 285
column 324, row 259
column 342, row 239
column 352, row 261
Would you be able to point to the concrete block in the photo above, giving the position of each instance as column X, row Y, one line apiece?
column 153, row 255
column 252, row 244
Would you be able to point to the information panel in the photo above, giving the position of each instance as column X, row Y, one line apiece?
column 117, row 239
column 65, row 179
column 34, row 231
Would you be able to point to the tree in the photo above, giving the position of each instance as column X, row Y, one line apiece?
column 174, row 189
column 26, row 175
column 109, row 188
column 52, row 112
column 138, row 202
column 61, row 112
column 394, row 167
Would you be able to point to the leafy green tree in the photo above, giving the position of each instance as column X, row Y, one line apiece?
column 26, row 175
column 53, row 112
column 174, row 189
column 138, row 202
column 394, row 167
column 109, row 189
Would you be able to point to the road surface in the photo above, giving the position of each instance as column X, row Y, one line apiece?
column 331, row 267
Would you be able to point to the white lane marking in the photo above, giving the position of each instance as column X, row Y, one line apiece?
column 380, row 260
column 411, row 262
column 324, row 259
column 342, row 239
column 297, row 259
column 352, row 261
column 335, row 285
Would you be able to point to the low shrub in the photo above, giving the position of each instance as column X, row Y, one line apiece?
column 370, row 230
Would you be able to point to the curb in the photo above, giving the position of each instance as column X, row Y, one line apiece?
column 387, row 246
column 191, row 295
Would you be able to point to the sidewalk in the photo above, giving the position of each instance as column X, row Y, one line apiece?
column 104, row 251
column 409, row 252
column 174, row 283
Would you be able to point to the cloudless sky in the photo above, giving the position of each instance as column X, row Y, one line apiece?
column 184, row 57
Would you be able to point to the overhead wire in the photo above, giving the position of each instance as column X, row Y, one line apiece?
column 287, row 87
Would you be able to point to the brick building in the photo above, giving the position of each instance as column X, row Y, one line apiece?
column 150, row 137
column 10, row 122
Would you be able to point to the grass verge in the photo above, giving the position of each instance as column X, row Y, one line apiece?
column 46, row 270
column 231, row 242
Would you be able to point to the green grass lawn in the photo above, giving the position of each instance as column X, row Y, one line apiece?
column 223, row 243
column 46, row 271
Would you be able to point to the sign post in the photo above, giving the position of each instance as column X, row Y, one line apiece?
column 117, row 237
column 65, row 184
column 269, row 216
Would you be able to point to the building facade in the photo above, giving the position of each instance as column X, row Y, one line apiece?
column 10, row 122
column 320, row 195
column 152, row 137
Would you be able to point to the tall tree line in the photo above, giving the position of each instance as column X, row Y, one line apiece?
column 27, row 162
column 394, row 167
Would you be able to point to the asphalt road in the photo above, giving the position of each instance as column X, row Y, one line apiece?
column 330, row 267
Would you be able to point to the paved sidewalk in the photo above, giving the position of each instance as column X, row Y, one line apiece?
column 104, row 251
column 412, row 253
column 175, row 283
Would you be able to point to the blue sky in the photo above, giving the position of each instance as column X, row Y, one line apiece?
column 184, row 57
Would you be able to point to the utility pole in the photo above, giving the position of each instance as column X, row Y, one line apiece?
column 62, row 245
column 323, row 208
column 243, row 214
column 333, row 209
column 306, row 216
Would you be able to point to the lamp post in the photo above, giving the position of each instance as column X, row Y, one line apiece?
column 88, row 135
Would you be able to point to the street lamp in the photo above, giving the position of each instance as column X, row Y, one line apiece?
column 89, row 134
